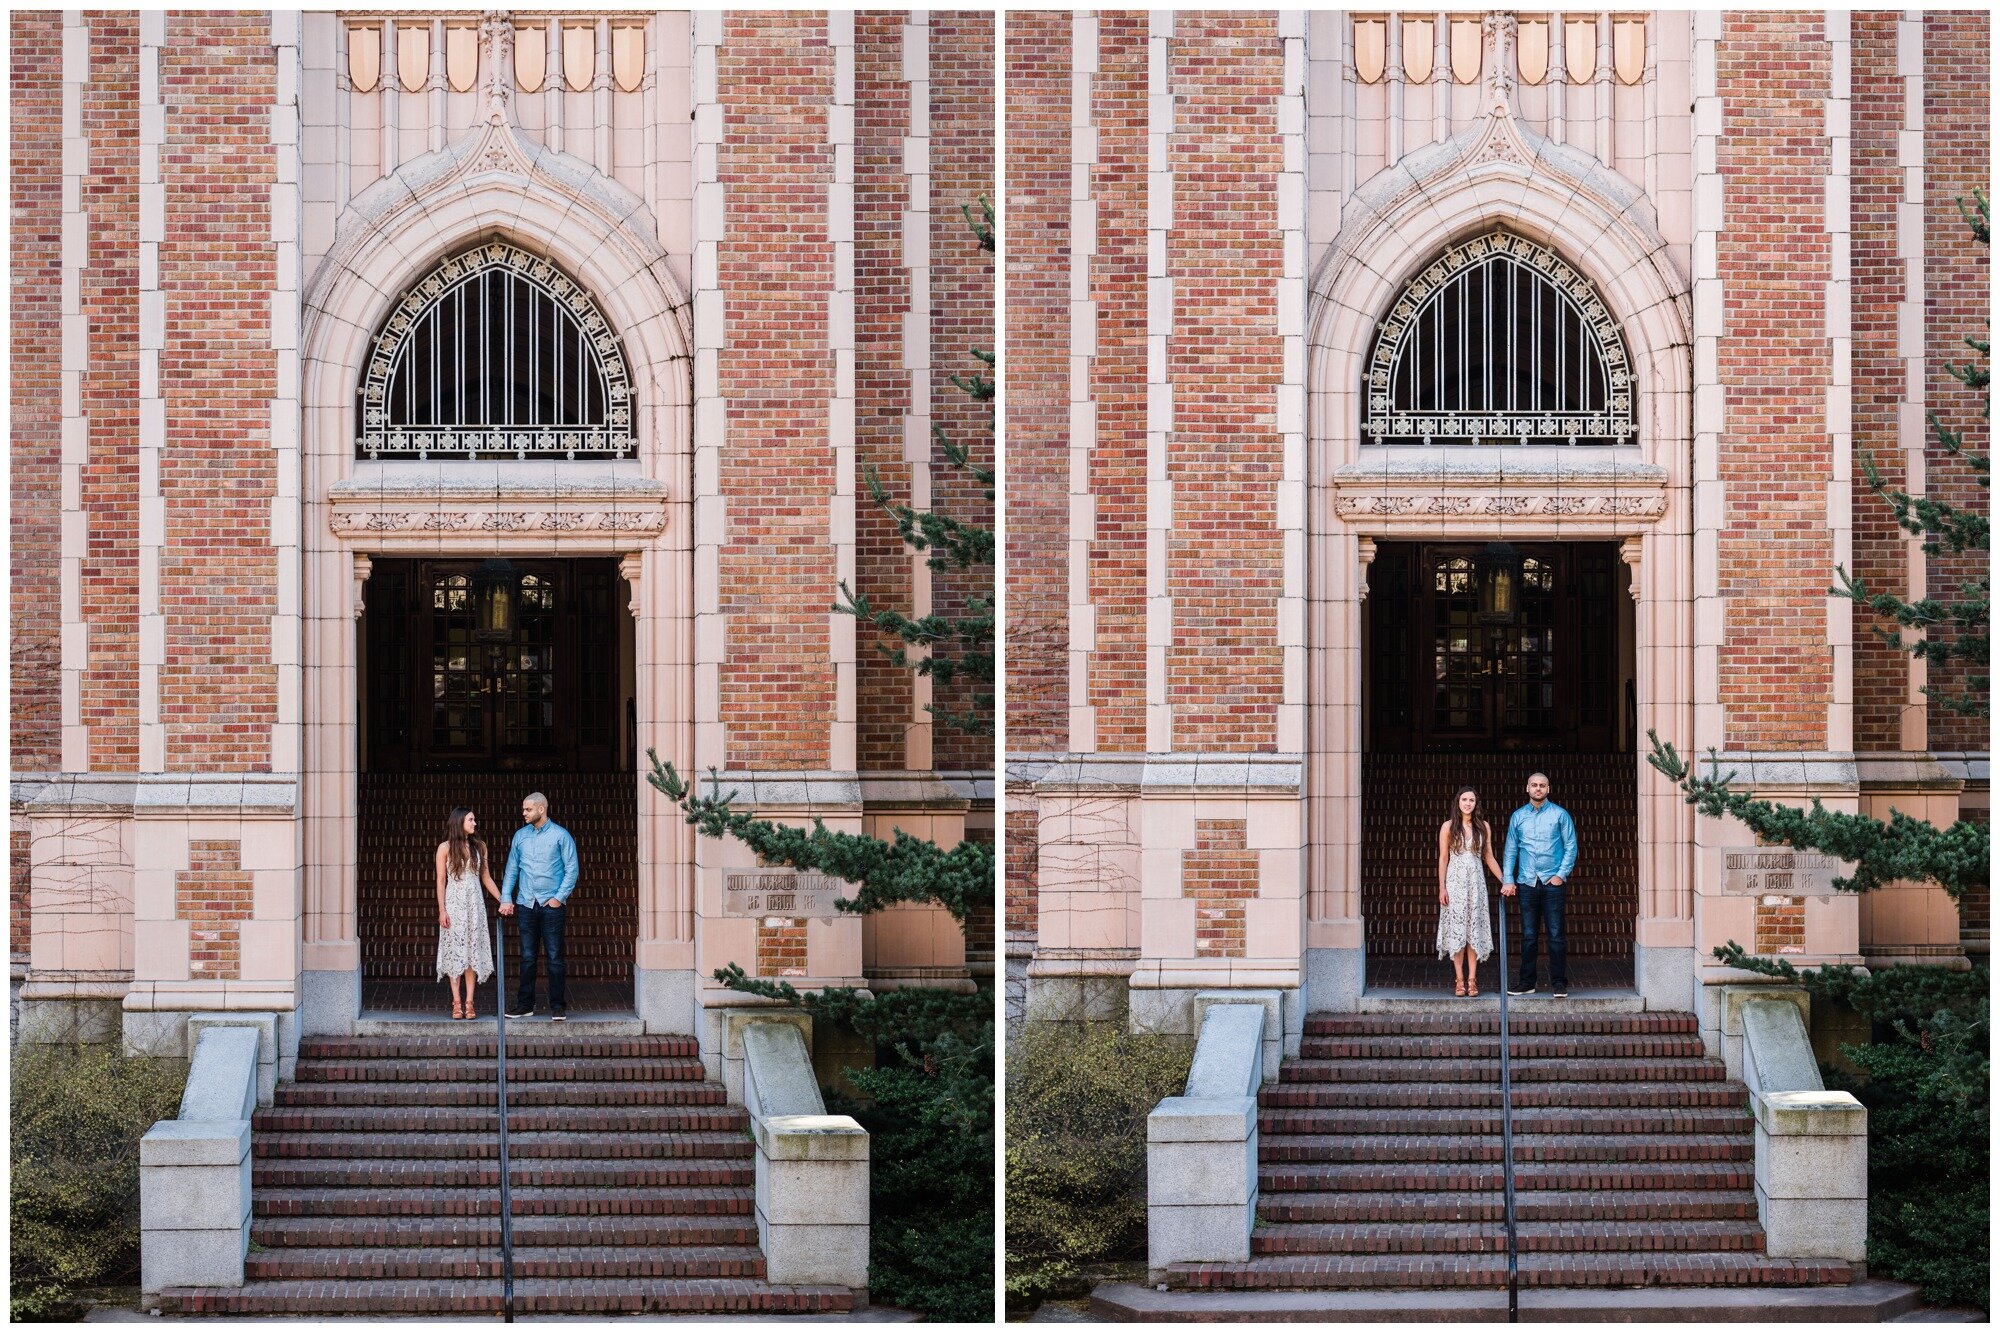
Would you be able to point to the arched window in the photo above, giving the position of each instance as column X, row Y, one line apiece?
column 1499, row 341
column 496, row 353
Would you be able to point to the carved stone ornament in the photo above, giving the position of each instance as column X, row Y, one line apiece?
column 633, row 522
column 1350, row 504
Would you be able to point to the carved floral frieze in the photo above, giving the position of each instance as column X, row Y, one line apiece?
column 639, row 522
column 1351, row 504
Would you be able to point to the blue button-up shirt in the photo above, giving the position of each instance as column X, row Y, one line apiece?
column 543, row 861
column 1540, row 843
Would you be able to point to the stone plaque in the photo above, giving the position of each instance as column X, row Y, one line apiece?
column 1781, row 870
column 769, row 892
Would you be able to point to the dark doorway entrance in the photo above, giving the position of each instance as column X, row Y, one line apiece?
column 483, row 681
column 1486, row 663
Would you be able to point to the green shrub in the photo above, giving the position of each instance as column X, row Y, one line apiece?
column 1077, row 1099
column 78, row 1115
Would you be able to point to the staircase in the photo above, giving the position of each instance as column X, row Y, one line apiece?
column 1380, row 1161
column 376, row 1185
column 1405, row 797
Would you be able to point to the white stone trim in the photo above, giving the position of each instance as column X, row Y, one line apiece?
column 1081, row 619
column 287, row 620
column 1291, row 389
column 1839, row 298
column 1711, row 402
column 1159, row 385
column 843, row 733
column 916, row 260
column 1912, row 429
column 711, row 408
column 152, row 403
column 74, row 543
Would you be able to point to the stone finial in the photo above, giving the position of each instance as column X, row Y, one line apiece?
column 1500, row 64
column 496, row 34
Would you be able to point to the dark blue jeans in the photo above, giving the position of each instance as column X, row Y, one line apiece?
column 1543, row 902
column 541, row 929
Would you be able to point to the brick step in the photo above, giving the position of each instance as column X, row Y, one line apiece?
column 1572, row 1046
column 535, row 1044
column 533, row 1296
column 583, row 1120
column 1539, row 1120
column 483, row 1200
column 554, row 1146
column 1620, row 1148
column 1527, row 1094
column 1376, row 1208
column 1530, row 1176
column 1446, row 1022
column 453, row 1233
column 570, row 1071
column 639, row 1092
column 1700, row 1268
column 1653, row 1235
column 567, row 1173
column 560, row 1261
column 1550, row 1070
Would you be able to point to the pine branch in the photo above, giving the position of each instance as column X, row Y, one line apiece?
column 905, row 870
column 1903, row 849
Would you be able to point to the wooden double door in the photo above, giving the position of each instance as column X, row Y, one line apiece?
column 444, row 694
column 1448, row 674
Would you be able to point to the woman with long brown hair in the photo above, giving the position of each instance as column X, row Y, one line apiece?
column 464, row 951
column 1465, row 933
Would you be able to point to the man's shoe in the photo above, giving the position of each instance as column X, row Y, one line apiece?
column 1563, row 994
column 520, row 1013
column 557, row 1016
column 1520, row 990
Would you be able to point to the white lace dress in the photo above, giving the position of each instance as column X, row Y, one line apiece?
column 1463, row 920
column 466, row 943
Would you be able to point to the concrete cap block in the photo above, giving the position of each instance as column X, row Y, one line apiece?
column 1229, row 1054
column 736, row 1021
column 1202, row 1120
column 1273, row 1002
column 1734, row 997
column 779, row 1079
column 195, row 1143
column 818, row 1138
column 1811, row 1113
column 222, row 1079
column 265, row 1025
column 1777, row 1051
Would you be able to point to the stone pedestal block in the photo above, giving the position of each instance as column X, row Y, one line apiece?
column 194, row 1203
column 812, row 1168
column 1201, row 1148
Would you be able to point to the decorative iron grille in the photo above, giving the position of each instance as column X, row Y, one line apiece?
column 1499, row 341
column 496, row 353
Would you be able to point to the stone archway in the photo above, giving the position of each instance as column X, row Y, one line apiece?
column 494, row 182
column 1498, row 172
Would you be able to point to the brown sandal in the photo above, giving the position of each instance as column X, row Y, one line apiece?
column 1472, row 988
column 457, row 1009
column 1460, row 989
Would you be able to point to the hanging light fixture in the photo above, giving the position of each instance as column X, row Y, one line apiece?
column 1499, row 566
column 493, row 601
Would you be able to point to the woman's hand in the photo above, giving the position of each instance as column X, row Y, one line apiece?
column 1444, row 898
column 444, row 921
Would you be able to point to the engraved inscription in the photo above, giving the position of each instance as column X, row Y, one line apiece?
column 786, row 893
column 1781, row 871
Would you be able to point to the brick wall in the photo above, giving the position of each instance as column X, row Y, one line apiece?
column 1958, row 295
column 1022, row 848
column 1118, row 384
column 35, row 418
column 1036, row 257
column 962, row 318
column 1224, row 558
column 110, row 580
column 218, row 571
column 781, row 947
column 1881, row 673
column 1776, row 557
column 214, row 895
column 1219, row 874
column 882, row 385
column 1781, row 925
column 775, row 78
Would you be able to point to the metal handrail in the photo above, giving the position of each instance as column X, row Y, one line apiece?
column 1507, row 1130
column 500, row 1062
